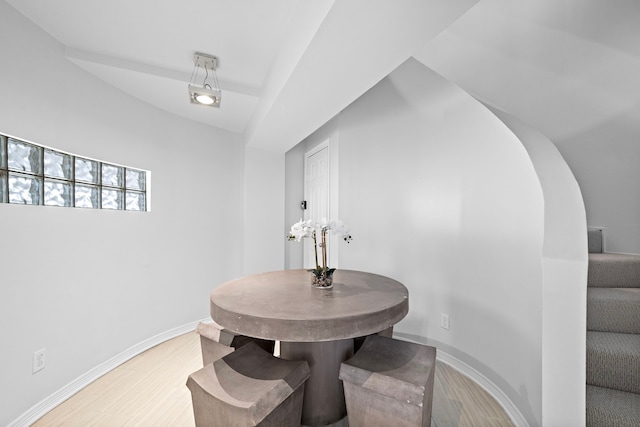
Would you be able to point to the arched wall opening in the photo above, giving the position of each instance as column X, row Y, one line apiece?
column 440, row 194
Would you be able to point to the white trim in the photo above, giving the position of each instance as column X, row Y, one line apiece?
column 334, row 240
column 38, row 410
column 495, row 392
column 317, row 148
column 621, row 253
column 332, row 204
column 512, row 411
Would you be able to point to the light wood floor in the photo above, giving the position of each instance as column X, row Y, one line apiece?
column 150, row 390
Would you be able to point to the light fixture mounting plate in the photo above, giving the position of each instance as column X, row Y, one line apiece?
column 205, row 61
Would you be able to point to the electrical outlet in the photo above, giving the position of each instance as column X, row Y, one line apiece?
column 444, row 321
column 39, row 360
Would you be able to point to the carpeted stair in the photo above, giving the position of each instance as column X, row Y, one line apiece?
column 613, row 337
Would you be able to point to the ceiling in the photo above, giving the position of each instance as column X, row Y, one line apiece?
column 288, row 66
column 567, row 67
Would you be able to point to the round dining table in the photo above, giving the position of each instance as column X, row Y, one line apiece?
column 312, row 324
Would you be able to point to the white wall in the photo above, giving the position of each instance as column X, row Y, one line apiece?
column 442, row 196
column 564, row 265
column 606, row 161
column 430, row 175
column 89, row 284
column 264, row 211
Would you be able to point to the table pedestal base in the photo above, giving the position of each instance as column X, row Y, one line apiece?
column 323, row 393
column 342, row 423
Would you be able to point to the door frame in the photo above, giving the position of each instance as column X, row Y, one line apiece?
column 331, row 144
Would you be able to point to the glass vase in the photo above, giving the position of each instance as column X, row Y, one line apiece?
column 322, row 281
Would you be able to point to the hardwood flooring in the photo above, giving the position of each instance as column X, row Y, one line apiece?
column 459, row 402
column 150, row 390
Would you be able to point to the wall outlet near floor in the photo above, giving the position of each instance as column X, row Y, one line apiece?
column 39, row 360
column 444, row 321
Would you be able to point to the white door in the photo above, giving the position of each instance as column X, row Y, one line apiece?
column 316, row 194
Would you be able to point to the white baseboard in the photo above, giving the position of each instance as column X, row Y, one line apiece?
column 487, row 385
column 38, row 410
column 512, row 411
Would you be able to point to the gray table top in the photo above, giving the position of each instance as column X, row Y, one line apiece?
column 282, row 305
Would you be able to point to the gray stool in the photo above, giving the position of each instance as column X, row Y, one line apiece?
column 216, row 342
column 389, row 383
column 358, row 341
column 249, row 387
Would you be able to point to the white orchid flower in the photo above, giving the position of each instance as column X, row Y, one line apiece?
column 300, row 230
column 318, row 232
column 338, row 227
column 323, row 224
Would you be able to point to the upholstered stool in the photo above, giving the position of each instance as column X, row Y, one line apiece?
column 389, row 382
column 249, row 387
column 216, row 342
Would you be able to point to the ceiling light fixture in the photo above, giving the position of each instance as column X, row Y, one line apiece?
column 206, row 95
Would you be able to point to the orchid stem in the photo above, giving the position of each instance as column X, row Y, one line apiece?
column 324, row 249
column 315, row 249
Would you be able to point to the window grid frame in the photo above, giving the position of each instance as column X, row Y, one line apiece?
column 42, row 177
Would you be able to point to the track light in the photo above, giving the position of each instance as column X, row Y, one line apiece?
column 206, row 94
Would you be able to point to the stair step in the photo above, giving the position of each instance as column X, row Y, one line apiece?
column 607, row 407
column 607, row 270
column 613, row 310
column 613, row 361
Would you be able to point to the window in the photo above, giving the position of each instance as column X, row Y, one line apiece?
column 34, row 175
